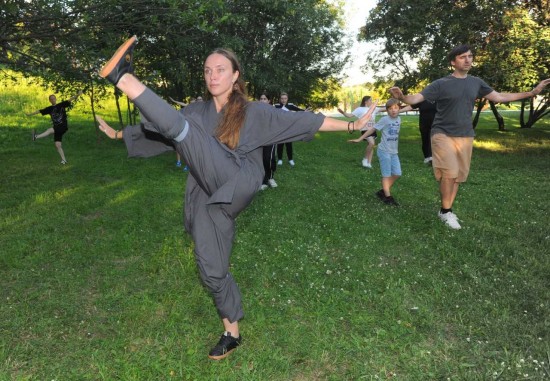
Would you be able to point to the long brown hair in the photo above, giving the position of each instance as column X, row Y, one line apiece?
column 229, row 129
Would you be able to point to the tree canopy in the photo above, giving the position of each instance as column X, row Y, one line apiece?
column 511, row 39
column 290, row 46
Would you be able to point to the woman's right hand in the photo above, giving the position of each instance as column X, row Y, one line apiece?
column 108, row 130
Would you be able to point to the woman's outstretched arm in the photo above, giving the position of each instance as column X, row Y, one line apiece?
column 332, row 125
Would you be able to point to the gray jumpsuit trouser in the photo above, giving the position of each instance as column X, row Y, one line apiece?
column 221, row 185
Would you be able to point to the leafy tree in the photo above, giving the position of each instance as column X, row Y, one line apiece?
column 417, row 35
column 288, row 46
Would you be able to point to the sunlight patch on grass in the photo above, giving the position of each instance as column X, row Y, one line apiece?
column 123, row 196
column 10, row 220
column 509, row 145
column 490, row 145
column 46, row 197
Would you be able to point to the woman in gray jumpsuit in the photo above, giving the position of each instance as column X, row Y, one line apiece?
column 221, row 140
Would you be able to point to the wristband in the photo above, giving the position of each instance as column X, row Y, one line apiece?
column 352, row 123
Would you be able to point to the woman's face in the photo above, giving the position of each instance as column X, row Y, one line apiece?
column 219, row 75
column 264, row 99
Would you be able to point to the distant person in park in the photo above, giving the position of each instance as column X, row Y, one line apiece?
column 452, row 130
column 390, row 166
column 178, row 156
column 222, row 140
column 269, row 159
column 58, row 115
column 286, row 106
column 365, row 105
column 426, row 118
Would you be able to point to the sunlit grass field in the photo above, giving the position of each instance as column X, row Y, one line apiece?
column 98, row 279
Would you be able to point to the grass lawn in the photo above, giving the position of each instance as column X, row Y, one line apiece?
column 98, row 279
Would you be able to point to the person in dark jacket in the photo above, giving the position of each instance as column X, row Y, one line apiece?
column 284, row 105
column 426, row 110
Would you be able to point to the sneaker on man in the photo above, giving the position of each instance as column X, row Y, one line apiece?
column 292, row 163
column 365, row 163
column 272, row 183
column 450, row 219
column 225, row 346
column 263, row 187
column 33, row 135
column 178, row 163
column 428, row 160
column 63, row 162
column 280, row 162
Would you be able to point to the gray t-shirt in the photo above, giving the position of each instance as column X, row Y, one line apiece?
column 455, row 100
column 390, row 133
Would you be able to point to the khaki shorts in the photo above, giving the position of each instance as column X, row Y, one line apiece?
column 451, row 156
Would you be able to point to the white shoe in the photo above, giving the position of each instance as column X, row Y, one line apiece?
column 291, row 162
column 280, row 162
column 366, row 163
column 428, row 160
column 263, row 187
column 63, row 162
column 272, row 183
column 450, row 219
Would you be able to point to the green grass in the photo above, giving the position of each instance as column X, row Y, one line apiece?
column 98, row 280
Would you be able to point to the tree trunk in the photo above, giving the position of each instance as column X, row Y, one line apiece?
column 533, row 114
column 117, row 96
column 522, row 114
column 498, row 117
column 131, row 112
column 480, row 104
column 92, row 103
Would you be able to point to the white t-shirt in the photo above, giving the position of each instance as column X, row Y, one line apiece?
column 360, row 111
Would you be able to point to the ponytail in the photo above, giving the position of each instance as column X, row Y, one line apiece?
column 234, row 113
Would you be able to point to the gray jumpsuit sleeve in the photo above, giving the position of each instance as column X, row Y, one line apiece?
column 143, row 143
column 222, row 181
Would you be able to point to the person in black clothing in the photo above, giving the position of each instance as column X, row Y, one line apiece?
column 58, row 114
column 284, row 105
column 270, row 165
column 426, row 117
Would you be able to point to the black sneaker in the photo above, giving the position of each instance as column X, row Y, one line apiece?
column 33, row 135
column 120, row 63
column 225, row 346
column 390, row 201
column 381, row 195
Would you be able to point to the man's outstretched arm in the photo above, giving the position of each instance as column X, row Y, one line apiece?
column 510, row 97
column 408, row 99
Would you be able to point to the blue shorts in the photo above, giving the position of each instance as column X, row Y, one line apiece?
column 389, row 163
